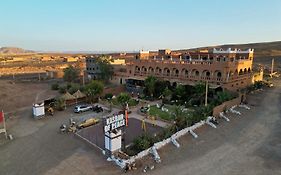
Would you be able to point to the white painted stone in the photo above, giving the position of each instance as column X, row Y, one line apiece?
column 193, row 134
column 174, row 141
column 224, row 117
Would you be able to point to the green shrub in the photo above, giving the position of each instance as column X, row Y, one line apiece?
column 73, row 88
column 142, row 142
column 108, row 96
column 55, row 86
column 59, row 104
column 62, row 89
column 133, row 102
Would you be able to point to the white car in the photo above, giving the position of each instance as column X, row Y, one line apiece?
column 82, row 108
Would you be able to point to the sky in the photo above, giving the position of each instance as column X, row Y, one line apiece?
column 132, row 25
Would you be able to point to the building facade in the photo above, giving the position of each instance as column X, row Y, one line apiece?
column 93, row 69
column 230, row 69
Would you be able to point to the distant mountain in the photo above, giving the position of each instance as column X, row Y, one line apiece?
column 263, row 49
column 14, row 50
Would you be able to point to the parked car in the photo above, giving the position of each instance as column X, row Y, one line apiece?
column 82, row 108
column 97, row 109
column 88, row 122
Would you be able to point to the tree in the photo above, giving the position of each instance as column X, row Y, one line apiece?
column 123, row 99
column 73, row 88
column 200, row 88
column 149, row 83
column 59, row 104
column 223, row 96
column 70, row 74
column 94, row 89
column 180, row 118
column 167, row 93
column 180, row 92
column 106, row 69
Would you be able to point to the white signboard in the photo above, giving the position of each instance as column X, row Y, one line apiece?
column 38, row 110
column 114, row 122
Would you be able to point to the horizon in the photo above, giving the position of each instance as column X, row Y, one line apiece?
column 110, row 26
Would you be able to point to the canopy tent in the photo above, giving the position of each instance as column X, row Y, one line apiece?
column 80, row 97
column 79, row 94
column 68, row 98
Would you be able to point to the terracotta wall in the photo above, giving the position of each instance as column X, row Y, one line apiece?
column 227, row 105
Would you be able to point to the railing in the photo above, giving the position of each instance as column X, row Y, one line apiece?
column 184, row 77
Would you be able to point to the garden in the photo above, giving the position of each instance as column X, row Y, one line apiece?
column 182, row 106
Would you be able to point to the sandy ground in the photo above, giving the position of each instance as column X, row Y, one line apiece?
column 15, row 95
column 247, row 145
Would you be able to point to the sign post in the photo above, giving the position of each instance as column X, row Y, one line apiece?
column 113, row 133
column 2, row 119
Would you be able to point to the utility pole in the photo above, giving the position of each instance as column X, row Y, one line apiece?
column 206, row 94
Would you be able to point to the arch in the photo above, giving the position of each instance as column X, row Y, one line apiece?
column 143, row 69
column 206, row 73
column 184, row 72
column 245, row 71
column 249, row 70
column 158, row 70
column 218, row 74
column 175, row 72
column 166, row 71
column 137, row 69
column 195, row 72
column 150, row 70
column 240, row 72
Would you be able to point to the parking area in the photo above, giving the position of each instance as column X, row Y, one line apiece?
column 95, row 133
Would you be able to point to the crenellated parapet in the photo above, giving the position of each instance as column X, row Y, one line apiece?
column 236, row 51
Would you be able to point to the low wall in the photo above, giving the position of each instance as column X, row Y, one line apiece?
column 226, row 105
column 158, row 145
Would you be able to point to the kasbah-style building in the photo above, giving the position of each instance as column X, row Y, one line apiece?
column 229, row 69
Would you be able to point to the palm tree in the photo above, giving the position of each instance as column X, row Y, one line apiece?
column 93, row 89
column 149, row 83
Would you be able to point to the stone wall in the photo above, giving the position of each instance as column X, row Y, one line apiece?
column 226, row 105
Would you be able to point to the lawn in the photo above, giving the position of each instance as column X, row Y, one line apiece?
column 154, row 111
column 131, row 102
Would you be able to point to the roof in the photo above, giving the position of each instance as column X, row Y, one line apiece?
column 79, row 94
column 68, row 96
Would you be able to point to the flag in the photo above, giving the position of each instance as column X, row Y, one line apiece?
column 1, row 116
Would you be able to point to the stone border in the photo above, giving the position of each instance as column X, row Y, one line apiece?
column 122, row 162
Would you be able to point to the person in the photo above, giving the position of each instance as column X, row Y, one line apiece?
column 126, row 167
column 62, row 128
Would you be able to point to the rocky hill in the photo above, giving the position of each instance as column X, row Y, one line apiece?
column 14, row 50
column 264, row 49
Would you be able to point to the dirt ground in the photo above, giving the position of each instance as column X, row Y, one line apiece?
column 247, row 145
column 15, row 95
